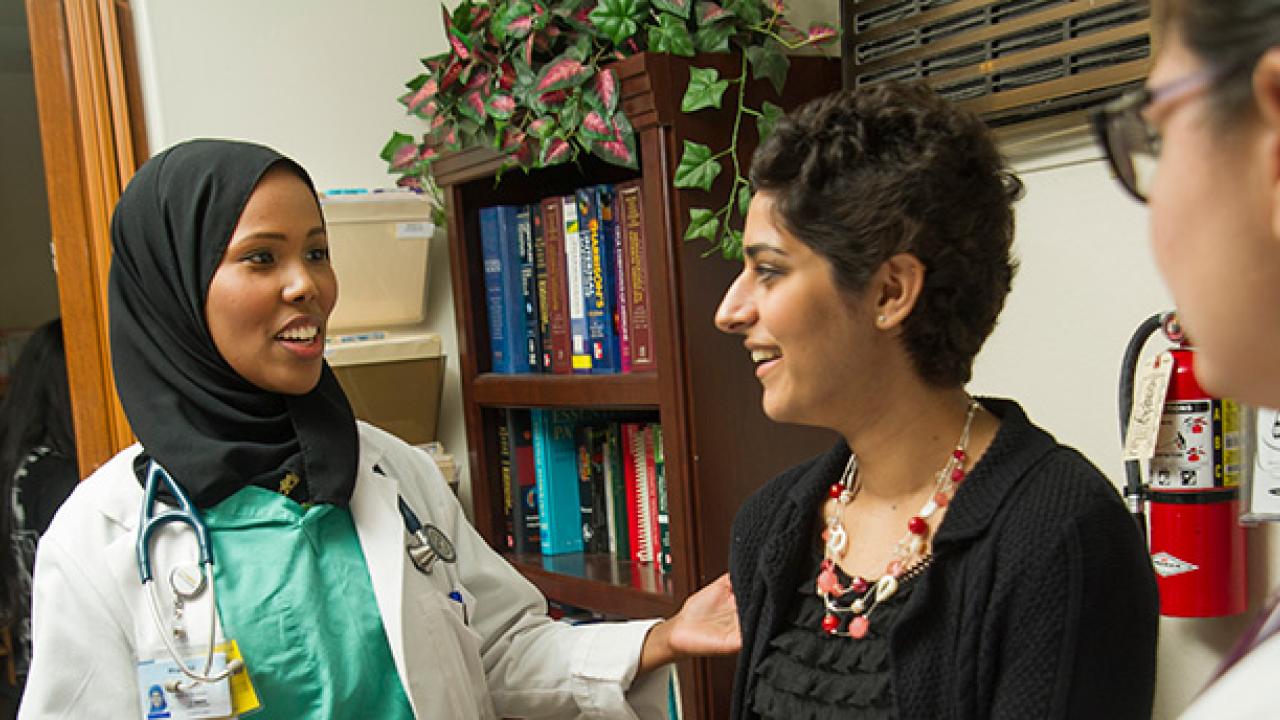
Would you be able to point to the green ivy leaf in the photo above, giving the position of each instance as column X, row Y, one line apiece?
column 744, row 198
column 713, row 38
column 617, row 19
column 705, row 90
column 702, row 224
column 748, row 10
column 670, row 36
column 731, row 244
column 679, row 8
column 768, row 61
column 698, row 169
column 770, row 114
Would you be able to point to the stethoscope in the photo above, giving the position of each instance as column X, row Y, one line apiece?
column 426, row 544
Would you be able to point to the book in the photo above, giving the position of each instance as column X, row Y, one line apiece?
column 556, row 463
column 591, row 489
column 664, row 514
column 631, row 445
column 557, row 286
column 649, row 494
column 595, row 223
column 636, row 277
column 504, row 477
column 501, row 343
column 615, row 491
column 537, row 221
column 621, row 303
column 574, row 275
column 530, row 325
column 524, row 519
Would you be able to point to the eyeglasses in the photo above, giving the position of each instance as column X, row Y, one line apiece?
column 1131, row 142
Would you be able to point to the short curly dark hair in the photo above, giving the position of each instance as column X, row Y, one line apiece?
column 862, row 175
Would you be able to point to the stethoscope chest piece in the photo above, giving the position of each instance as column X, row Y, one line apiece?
column 427, row 545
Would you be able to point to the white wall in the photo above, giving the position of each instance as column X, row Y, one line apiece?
column 318, row 81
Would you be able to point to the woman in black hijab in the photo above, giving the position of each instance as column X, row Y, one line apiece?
column 220, row 290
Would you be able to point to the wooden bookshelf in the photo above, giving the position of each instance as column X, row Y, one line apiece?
column 718, row 445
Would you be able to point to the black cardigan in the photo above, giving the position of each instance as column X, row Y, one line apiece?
column 1040, row 603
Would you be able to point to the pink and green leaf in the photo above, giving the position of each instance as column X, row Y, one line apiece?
column 606, row 87
column 821, row 33
column 555, row 151
column 563, row 72
column 709, row 12
column 393, row 152
column 502, row 106
column 596, row 127
column 542, row 128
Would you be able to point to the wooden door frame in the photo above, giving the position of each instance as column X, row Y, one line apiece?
column 91, row 133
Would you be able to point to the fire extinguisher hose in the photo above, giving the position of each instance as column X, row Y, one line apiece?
column 1134, row 494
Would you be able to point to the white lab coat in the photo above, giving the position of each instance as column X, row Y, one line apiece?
column 92, row 622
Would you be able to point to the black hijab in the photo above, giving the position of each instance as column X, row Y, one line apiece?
column 211, row 429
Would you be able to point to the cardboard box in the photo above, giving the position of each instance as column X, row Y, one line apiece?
column 379, row 245
column 393, row 380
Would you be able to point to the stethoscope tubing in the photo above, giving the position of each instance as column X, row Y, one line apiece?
column 188, row 514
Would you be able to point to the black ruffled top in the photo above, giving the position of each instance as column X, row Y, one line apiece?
column 810, row 675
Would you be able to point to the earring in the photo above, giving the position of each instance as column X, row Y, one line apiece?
column 880, row 319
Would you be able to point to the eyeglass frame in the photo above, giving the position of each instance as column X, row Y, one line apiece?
column 1130, row 107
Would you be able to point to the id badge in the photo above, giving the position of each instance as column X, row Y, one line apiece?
column 190, row 700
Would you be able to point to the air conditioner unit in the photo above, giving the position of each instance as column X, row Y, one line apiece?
column 1010, row 61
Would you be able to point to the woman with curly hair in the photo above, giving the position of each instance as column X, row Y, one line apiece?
column 947, row 558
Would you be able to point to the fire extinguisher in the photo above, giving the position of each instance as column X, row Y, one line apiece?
column 1192, row 495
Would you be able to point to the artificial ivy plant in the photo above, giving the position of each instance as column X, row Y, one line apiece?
column 531, row 79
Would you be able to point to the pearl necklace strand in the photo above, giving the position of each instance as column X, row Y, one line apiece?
column 909, row 555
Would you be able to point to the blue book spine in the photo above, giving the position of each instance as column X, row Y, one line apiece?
column 609, row 270
column 501, row 360
column 513, row 289
column 556, row 463
column 530, row 324
column 581, row 358
column 596, row 269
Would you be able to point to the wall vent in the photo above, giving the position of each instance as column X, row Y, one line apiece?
column 1010, row 61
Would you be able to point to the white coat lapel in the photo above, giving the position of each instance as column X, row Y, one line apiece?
column 377, row 520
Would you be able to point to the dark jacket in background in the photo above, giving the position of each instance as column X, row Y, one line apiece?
column 1040, row 602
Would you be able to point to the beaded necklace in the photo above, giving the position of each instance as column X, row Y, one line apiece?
column 910, row 557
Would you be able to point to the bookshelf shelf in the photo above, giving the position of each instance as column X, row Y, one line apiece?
column 718, row 445
column 601, row 583
column 639, row 390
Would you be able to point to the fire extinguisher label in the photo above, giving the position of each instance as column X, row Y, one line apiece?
column 1167, row 565
column 1198, row 446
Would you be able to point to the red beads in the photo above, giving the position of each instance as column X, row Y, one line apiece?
column 858, row 627
column 830, row 623
column 957, row 475
column 859, row 585
column 940, row 499
column 959, row 455
column 835, row 490
column 917, row 525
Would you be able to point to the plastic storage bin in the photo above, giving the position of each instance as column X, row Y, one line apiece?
column 393, row 380
column 378, row 243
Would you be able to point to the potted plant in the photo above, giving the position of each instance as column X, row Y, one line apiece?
column 531, row 79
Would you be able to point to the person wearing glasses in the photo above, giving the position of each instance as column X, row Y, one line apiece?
column 1210, row 116
column 947, row 558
